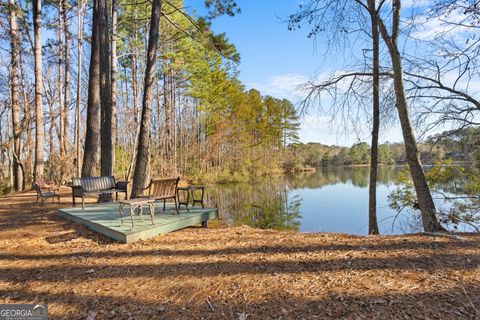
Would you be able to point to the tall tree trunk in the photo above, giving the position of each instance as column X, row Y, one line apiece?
column 90, row 155
column 17, row 169
column 372, row 190
column 51, row 148
column 134, row 88
column 79, row 87
column 66, row 100
column 27, row 125
column 106, row 143
column 60, row 86
column 427, row 206
column 168, row 118
column 143, row 150
column 10, row 150
column 113, row 75
column 39, row 121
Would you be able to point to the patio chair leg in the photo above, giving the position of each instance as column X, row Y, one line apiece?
column 163, row 204
column 120, row 210
column 73, row 200
column 176, row 206
column 152, row 211
column 83, row 203
column 132, row 213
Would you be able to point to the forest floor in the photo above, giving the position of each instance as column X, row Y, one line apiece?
column 231, row 273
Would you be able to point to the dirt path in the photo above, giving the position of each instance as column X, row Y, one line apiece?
column 231, row 273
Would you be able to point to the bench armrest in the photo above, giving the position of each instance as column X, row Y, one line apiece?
column 77, row 191
column 122, row 186
column 149, row 185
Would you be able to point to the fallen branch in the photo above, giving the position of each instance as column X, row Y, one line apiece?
column 444, row 235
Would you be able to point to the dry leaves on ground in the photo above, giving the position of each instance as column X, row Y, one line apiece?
column 231, row 273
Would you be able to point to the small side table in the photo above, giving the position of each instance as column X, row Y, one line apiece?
column 190, row 190
column 134, row 204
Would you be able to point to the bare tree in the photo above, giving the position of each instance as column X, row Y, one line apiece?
column 60, row 84
column 39, row 121
column 90, row 155
column 80, row 8
column 424, row 196
column 322, row 9
column 143, row 150
column 106, row 134
column 114, row 73
column 372, row 191
column 18, row 173
column 322, row 14
column 66, row 98
column 27, row 125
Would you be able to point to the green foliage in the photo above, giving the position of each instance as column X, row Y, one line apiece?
column 403, row 196
column 221, row 7
column 385, row 154
column 122, row 161
column 232, row 133
column 360, row 153
column 326, row 159
column 457, row 145
column 313, row 153
column 274, row 214
column 454, row 187
column 5, row 188
column 317, row 154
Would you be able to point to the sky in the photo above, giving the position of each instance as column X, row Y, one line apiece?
column 277, row 61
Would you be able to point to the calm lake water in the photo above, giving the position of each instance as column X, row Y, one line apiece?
column 328, row 200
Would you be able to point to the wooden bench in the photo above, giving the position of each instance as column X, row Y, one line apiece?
column 82, row 187
column 163, row 189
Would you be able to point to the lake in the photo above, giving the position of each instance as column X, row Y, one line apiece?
column 331, row 199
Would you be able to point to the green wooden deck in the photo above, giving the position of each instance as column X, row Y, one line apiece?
column 105, row 219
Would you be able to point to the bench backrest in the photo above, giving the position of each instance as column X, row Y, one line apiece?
column 95, row 183
column 37, row 188
column 160, row 188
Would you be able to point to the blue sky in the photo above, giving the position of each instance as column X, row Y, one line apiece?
column 276, row 61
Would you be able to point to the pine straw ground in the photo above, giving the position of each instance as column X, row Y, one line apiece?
column 231, row 273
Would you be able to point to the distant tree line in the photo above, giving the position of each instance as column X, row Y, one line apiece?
column 455, row 145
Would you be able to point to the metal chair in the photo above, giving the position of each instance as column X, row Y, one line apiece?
column 42, row 195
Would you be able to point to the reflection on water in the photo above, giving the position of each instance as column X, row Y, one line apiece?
column 330, row 200
column 264, row 203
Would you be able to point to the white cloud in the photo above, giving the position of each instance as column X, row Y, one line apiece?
column 416, row 3
column 430, row 28
column 316, row 127
column 283, row 86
